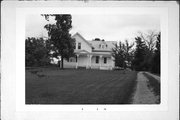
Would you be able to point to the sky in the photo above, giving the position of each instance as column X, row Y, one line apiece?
column 107, row 27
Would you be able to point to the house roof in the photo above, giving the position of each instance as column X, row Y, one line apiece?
column 108, row 45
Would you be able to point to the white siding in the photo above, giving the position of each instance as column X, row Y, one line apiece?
column 82, row 61
column 101, row 64
column 69, row 64
column 84, row 45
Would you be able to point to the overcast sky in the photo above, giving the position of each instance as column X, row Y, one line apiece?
column 107, row 27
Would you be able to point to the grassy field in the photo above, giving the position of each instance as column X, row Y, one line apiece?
column 154, row 85
column 70, row 86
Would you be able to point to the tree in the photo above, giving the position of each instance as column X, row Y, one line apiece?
column 123, row 54
column 60, row 39
column 140, row 52
column 150, row 38
column 37, row 52
column 156, row 65
column 119, row 55
column 128, row 51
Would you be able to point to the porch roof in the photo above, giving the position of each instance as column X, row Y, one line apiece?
column 84, row 52
column 107, row 54
column 81, row 52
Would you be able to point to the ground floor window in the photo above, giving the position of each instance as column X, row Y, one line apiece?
column 105, row 60
column 97, row 59
column 71, row 60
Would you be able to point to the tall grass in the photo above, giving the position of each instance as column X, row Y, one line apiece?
column 154, row 85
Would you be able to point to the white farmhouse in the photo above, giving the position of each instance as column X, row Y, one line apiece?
column 95, row 54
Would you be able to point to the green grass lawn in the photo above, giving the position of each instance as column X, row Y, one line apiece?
column 70, row 86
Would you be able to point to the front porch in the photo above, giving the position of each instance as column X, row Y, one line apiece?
column 90, row 61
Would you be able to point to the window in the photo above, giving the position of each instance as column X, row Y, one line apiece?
column 97, row 59
column 103, row 46
column 79, row 45
column 105, row 60
column 71, row 59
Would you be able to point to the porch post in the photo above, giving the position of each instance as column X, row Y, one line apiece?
column 90, row 56
column 87, row 61
column 112, row 62
column 100, row 61
column 88, row 65
column 77, row 61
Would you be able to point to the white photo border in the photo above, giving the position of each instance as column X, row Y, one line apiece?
column 13, row 109
column 21, row 14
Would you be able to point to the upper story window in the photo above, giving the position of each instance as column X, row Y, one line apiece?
column 103, row 46
column 79, row 45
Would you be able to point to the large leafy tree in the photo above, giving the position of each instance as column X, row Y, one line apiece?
column 37, row 52
column 62, row 43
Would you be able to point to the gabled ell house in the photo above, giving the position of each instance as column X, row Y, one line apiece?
column 94, row 54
